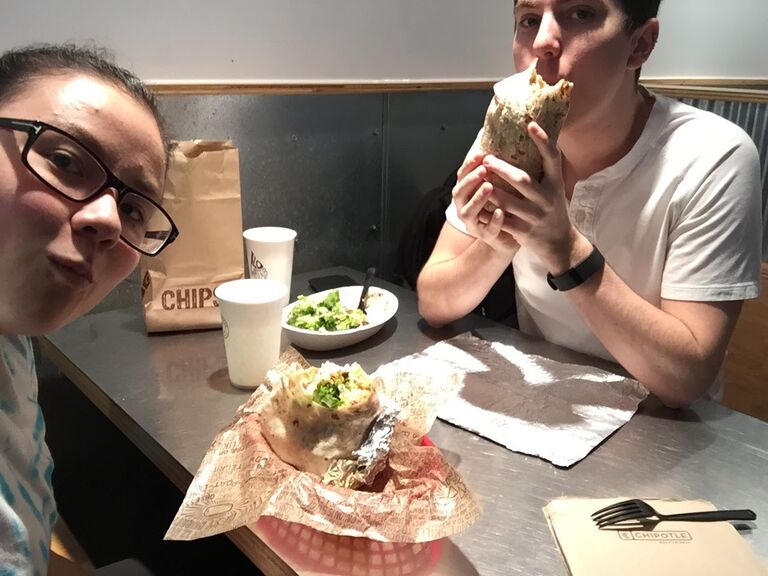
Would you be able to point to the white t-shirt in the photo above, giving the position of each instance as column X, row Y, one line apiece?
column 27, row 507
column 679, row 218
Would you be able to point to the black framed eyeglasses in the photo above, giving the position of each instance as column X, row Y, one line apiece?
column 67, row 166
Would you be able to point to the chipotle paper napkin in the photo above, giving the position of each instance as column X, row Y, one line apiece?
column 674, row 548
column 527, row 402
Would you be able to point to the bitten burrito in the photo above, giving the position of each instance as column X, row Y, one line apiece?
column 316, row 416
column 518, row 100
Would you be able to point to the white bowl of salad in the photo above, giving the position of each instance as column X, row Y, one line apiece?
column 330, row 319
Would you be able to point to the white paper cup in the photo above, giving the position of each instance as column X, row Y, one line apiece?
column 269, row 253
column 251, row 312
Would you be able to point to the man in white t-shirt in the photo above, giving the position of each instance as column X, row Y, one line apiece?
column 642, row 239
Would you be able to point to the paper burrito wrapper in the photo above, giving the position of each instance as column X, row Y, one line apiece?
column 517, row 101
column 418, row 497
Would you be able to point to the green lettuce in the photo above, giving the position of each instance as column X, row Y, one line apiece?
column 328, row 315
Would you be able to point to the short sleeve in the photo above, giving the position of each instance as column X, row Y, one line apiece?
column 714, row 242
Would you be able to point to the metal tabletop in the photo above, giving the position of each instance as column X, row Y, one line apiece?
column 170, row 395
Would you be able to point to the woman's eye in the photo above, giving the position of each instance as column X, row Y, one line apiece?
column 133, row 213
column 64, row 161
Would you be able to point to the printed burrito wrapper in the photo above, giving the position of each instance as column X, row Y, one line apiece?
column 418, row 498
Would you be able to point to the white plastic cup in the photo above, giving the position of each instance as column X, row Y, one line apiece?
column 269, row 253
column 251, row 314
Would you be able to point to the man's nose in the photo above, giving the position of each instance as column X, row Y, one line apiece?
column 547, row 43
column 99, row 217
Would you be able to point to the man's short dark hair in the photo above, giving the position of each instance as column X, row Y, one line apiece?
column 638, row 12
column 20, row 66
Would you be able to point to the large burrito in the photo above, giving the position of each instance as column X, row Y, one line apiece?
column 518, row 100
column 316, row 416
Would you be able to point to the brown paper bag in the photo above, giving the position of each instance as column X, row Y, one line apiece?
column 202, row 194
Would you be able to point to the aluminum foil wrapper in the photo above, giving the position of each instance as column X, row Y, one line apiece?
column 518, row 396
column 370, row 459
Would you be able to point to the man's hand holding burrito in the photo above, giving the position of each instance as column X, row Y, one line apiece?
column 476, row 202
column 538, row 218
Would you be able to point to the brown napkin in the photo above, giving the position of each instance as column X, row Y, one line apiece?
column 700, row 548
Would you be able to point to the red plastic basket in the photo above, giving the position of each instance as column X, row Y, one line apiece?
column 309, row 549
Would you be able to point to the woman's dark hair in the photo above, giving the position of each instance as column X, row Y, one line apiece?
column 20, row 66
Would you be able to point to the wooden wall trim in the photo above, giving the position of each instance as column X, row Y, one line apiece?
column 731, row 93
column 733, row 89
column 311, row 88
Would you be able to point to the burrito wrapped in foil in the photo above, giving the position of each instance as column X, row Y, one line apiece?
column 317, row 416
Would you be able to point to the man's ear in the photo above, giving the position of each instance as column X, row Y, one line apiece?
column 643, row 41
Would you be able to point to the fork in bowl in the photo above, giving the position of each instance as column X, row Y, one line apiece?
column 363, row 304
column 641, row 511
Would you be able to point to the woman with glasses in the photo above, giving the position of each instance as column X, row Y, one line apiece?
column 82, row 165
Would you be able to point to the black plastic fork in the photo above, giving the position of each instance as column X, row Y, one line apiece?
column 363, row 304
column 641, row 511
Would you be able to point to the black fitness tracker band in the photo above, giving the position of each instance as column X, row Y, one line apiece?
column 579, row 273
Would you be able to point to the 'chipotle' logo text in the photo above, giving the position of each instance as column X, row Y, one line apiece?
column 188, row 298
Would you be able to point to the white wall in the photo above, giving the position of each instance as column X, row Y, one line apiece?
column 711, row 38
column 361, row 40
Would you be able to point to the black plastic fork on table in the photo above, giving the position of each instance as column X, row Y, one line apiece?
column 639, row 511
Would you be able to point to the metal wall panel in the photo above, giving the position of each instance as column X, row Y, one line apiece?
column 344, row 170
column 348, row 171
column 428, row 135
column 308, row 162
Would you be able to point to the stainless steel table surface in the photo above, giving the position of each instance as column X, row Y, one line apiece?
column 170, row 395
